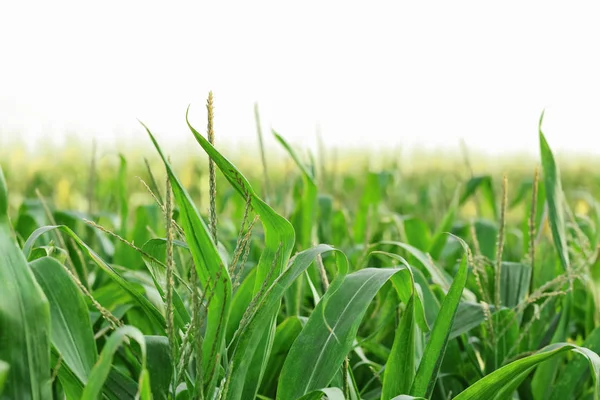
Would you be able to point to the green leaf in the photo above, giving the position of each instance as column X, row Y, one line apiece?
column 370, row 199
column 503, row 320
column 124, row 254
column 573, row 376
column 440, row 236
column 506, row 392
column 484, row 184
column 31, row 215
column 24, row 318
column 430, row 301
column 71, row 332
column 555, row 198
column 487, row 236
column 468, row 316
column 490, row 385
column 404, row 283
column 327, row 338
column 436, row 274
column 157, row 249
column 145, row 392
column 514, row 283
column 159, row 362
column 331, row 393
column 546, row 373
column 4, row 370
column 101, row 370
column 285, row 335
column 433, row 355
column 417, row 233
column 120, row 386
column 149, row 309
column 304, row 221
column 252, row 333
column 241, row 300
column 400, row 367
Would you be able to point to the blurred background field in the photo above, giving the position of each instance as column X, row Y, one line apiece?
column 81, row 173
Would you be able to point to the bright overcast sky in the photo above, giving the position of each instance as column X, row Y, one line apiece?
column 411, row 73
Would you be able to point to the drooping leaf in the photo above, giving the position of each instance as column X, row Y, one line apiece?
column 576, row 372
column 436, row 274
column 490, row 385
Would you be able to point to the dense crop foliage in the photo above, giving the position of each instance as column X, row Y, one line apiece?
column 305, row 285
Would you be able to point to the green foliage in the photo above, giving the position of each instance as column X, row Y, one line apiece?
column 395, row 306
column 24, row 319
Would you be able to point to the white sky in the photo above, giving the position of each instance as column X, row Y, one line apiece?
column 370, row 73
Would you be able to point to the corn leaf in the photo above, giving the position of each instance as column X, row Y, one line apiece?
column 4, row 369
column 252, row 333
column 490, row 385
column 24, row 318
column 327, row 338
column 400, row 367
column 71, row 332
column 149, row 309
column 304, row 221
column 331, row 393
column 158, row 362
column 429, row 366
column 555, row 198
column 101, row 370
column 576, row 372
